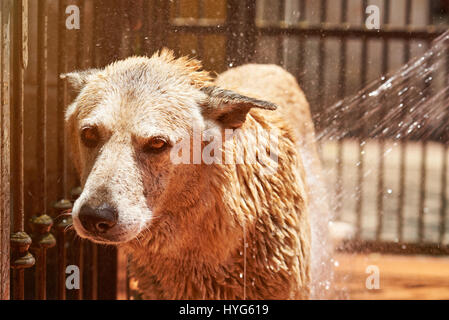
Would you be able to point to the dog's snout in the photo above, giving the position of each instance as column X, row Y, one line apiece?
column 97, row 220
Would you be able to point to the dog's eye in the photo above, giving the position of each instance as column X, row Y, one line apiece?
column 90, row 137
column 155, row 144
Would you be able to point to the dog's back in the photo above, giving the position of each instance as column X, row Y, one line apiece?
column 273, row 83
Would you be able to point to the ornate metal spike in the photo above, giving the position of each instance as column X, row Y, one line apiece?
column 75, row 193
column 20, row 257
column 42, row 238
column 61, row 208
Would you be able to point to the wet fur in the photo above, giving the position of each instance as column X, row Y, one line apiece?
column 191, row 221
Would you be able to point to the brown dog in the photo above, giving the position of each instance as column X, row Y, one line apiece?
column 195, row 228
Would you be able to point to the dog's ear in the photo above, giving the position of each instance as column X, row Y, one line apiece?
column 230, row 108
column 78, row 79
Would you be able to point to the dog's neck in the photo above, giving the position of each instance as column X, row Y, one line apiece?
column 201, row 260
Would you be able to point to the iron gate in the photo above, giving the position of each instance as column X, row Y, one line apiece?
column 38, row 182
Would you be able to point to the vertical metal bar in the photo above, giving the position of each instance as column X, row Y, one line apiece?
column 41, row 225
column 402, row 143
column 162, row 18
column 443, row 192
column 20, row 241
column 321, row 60
column 423, row 178
column 361, row 134
column 93, row 258
column 302, row 50
column 94, row 271
column 80, row 34
column 145, row 27
column 342, row 94
column 232, row 30
column 78, row 243
column 93, row 53
column 41, row 146
column 250, row 30
column 79, row 249
column 61, row 207
column 42, row 240
column 62, row 98
column 281, row 38
column 63, row 204
column 5, row 23
column 240, row 20
column 381, row 168
column 201, row 14
column 422, row 192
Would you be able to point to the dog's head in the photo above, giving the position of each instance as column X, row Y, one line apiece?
column 122, row 126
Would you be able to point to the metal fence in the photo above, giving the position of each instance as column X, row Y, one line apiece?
column 37, row 46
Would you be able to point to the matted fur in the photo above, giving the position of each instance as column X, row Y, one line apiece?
column 185, row 226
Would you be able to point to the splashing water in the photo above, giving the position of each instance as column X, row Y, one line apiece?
column 412, row 103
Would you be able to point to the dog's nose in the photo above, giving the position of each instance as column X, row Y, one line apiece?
column 97, row 220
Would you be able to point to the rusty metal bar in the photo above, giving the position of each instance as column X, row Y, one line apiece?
column 342, row 94
column 321, row 61
column 390, row 247
column 75, row 192
column 361, row 159
column 422, row 193
column 381, row 167
column 161, row 25
column 94, row 271
column 200, row 38
column 62, row 98
column 78, row 248
column 329, row 30
column 62, row 164
column 302, row 50
column 250, row 30
column 41, row 121
column 145, row 27
column 281, row 39
column 240, row 24
column 423, row 178
column 61, row 207
column 5, row 25
column 41, row 225
column 80, row 35
column 443, row 206
column 42, row 240
column 402, row 143
column 20, row 241
column 303, row 28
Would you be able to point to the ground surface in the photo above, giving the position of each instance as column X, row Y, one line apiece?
column 401, row 277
